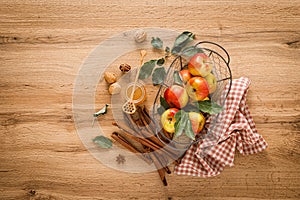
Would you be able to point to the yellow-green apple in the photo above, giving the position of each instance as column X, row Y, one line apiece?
column 197, row 88
column 176, row 96
column 198, row 121
column 212, row 82
column 168, row 120
column 185, row 75
column 200, row 65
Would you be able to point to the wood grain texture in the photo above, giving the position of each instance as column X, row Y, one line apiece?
column 42, row 45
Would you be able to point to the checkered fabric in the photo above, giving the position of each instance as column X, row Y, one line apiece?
column 233, row 129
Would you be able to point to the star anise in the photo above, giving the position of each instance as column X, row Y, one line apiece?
column 120, row 159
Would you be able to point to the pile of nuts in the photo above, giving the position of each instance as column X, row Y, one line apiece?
column 111, row 78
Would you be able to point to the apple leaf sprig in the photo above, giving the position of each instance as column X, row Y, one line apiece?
column 209, row 107
column 159, row 72
column 179, row 47
column 183, row 124
column 155, row 67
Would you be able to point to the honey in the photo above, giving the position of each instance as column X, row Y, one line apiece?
column 139, row 95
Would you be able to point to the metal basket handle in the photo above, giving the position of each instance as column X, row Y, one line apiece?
column 227, row 61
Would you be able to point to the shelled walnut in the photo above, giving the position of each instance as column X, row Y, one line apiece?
column 125, row 68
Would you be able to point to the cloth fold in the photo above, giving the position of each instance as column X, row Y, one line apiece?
column 234, row 129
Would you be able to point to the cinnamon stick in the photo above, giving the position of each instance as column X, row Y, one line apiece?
column 144, row 122
column 140, row 127
column 140, row 131
column 148, row 119
column 152, row 138
column 154, row 141
column 129, row 146
column 131, row 123
column 160, row 170
column 138, row 139
column 178, row 161
column 147, row 143
column 167, row 134
column 150, row 133
column 162, row 161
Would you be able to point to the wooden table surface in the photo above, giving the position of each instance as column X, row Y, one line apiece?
column 42, row 46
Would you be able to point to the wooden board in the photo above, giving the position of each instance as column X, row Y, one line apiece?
column 44, row 43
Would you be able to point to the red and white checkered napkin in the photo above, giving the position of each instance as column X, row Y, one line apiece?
column 233, row 129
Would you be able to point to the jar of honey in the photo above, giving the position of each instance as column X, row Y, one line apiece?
column 139, row 95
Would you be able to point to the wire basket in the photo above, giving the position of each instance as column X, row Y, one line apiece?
column 221, row 70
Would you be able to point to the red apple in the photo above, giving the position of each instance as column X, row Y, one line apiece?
column 176, row 96
column 212, row 82
column 200, row 65
column 168, row 120
column 198, row 121
column 197, row 88
column 185, row 75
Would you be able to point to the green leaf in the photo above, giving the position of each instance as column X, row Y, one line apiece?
column 177, row 78
column 191, row 108
column 188, row 129
column 191, row 51
column 157, row 43
column 158, row 75
column 146, row 69
column 181, row 41
column 209, row 107
column 176, row 50
column 163, row 106
column 183, row 124
column 102, row 111
column 164, row 103
column 180, row 124
column 103, row 142
column 160, row 61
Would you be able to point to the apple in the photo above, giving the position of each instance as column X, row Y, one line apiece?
column 200, row 65
column 176, row 96
column 197, row 88
column 168, row 119
column 185, row 75
column 212, row 82
column 197, row 120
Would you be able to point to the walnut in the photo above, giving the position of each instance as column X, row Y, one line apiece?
column 110, row 77
column 125, row 68
column 140, row 36
column 114, row 88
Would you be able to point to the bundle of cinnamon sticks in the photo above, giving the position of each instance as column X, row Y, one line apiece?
column 139, row 127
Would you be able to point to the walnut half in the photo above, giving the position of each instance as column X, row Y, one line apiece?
column 125, row 68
